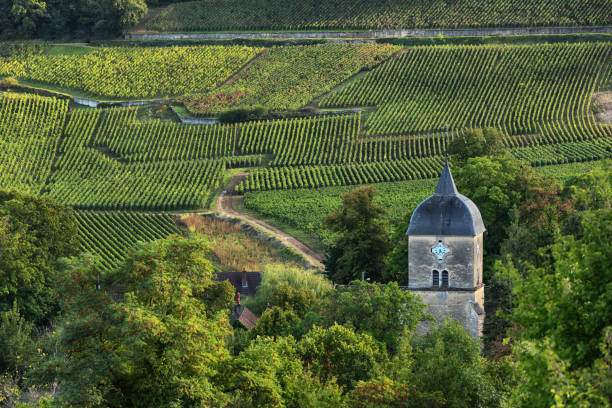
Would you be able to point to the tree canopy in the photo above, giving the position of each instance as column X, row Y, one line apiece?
column 34, row 233
column 363, row 243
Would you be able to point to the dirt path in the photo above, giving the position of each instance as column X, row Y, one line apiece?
column 225, row 207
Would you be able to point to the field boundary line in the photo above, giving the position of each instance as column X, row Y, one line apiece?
column 373, row 34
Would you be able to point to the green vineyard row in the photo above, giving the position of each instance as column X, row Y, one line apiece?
column 375, row 14
column 30, row 129
column 109, row 235
column 517, row 89
column 125, row 72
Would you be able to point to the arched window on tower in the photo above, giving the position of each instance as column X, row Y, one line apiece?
column 435, row 279
column 445, row 279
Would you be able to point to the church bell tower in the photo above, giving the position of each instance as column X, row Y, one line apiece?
column 445, row 244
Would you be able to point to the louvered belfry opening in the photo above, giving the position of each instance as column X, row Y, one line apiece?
column 445, row 279
column 435, row 279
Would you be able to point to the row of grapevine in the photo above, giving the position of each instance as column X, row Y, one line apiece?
column 565, row 152
column 289, row 77
column 30, row 129
column 88, row 179
column 375, row 14
column 139, row 141
column 516, row 89
column 126, row 72
column 118, row 131
column 254, row 160
column 326, row 176
column 318, row 140
column 109, row 235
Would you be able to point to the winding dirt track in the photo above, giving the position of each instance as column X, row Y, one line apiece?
column 226, row 208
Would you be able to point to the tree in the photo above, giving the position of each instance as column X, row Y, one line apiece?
column 380, row 310
column 397, row 261
column 269, row 373
column 495, row 185
column 34, row 233
column 363, row 243
column 568, row 300
column 15, row 341
column 292, row 289
column 383, row 392
column 447, row 363
column 274, row 322
column 27, row 15
column 476, row 143
column 340, row 353
column 129, row 12
column 155, row 336
column 562, row 317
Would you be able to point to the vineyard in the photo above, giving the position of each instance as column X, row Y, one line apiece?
column 376, row 14
column 30, row 129
column 412, row 102
column 304, row 209
column 108, row 235
column 290, row 77
column 520, row 90
column 133, row 72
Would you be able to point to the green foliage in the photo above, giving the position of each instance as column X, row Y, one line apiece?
column 134, row 73
column 495, row 185
column 292, row 289
column 384, row 311
column 108, row 235
column 275, row 322
column 339, row 352
column 476, row 143
column 15, row 341
column 148, row 176
column 339, row 175
column 363, row 242
column 160, row 344
column 30, row 129
column 305, row 209
column 568, row 300
column 550, row 382
column 34, row 233
column 397, row 261
column 374, row 14
column 289, row 77
column 130, row 12
column 269, row 373
column 447, row 363
column 451, row 88
column 383, row 392
column 27, row 14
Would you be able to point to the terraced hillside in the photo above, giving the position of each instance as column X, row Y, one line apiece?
column 211, row 15
column 393, row 122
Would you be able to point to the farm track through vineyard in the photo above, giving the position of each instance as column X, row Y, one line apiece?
column 225, row 207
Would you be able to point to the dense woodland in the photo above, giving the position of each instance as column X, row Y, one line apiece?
column 108, row 296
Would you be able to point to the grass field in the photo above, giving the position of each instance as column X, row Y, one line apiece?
column 375, row 14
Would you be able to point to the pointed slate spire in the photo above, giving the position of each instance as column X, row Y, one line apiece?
column 446, row 184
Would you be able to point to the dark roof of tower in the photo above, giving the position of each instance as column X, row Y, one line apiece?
column 446, row 212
